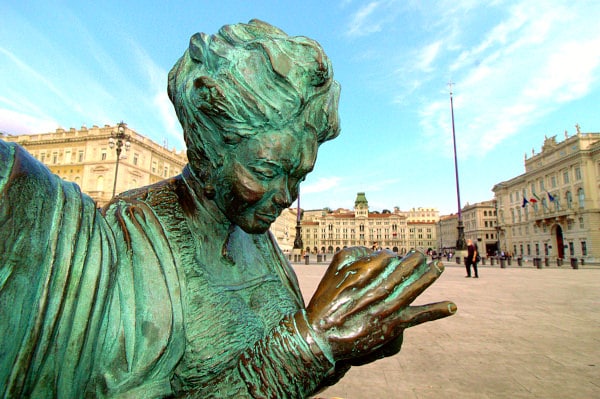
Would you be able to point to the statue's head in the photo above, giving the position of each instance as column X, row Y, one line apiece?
column 254, row 104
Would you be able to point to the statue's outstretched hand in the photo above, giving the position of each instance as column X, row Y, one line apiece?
column 362, row 302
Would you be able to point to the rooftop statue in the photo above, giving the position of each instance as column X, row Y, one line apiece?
column 178, row 289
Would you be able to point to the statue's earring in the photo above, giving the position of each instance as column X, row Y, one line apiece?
column 209, row 191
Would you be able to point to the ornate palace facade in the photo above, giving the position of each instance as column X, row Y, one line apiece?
column 553, row 210
column 84, row 157
column 325, row 231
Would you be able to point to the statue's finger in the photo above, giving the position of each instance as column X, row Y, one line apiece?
column 421, row 278
column 378, row 276
column 405, row 292
column 415, row 315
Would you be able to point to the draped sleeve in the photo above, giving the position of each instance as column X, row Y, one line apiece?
column 88, row 303
column 56, row 268
column 142, row 335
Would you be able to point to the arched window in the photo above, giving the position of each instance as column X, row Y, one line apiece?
column 569, row 198
column 581, row 196
column 100, row 183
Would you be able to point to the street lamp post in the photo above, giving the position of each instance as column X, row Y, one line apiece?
column 460, row 242
column 298, row 244
column 118, row 140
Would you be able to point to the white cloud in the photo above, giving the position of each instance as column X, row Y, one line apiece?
column 361, row 23
column 427, row 56
column 19, row 123
column 321, row 185
column 521, row 70
column 28, row 74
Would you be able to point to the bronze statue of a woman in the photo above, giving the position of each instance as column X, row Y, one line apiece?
column 178, row 289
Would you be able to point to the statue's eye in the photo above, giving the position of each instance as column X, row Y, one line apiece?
column 264, row 173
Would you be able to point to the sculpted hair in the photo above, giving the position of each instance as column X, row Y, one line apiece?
column 249, row 78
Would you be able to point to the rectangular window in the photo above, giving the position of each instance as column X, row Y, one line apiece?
column 553, row 181
column 80, row 156
column 68, row 156
column 135, row 158
column 103, row 154
column 55, row 157
column 154, row 167
column 578, row 173
column 566, row 176
column 571, row 249
column 583, row 248
column 42, row 157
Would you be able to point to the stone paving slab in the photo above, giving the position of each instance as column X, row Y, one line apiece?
column 518, row 333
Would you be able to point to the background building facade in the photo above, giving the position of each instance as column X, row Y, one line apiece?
column 84, row 157
column 553, row 209
column 480, row 221
column 327, row 231
column 447, row 232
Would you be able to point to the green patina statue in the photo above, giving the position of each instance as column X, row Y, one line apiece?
column 178, row 289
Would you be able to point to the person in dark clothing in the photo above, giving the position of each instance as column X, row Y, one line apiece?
column 471, row 259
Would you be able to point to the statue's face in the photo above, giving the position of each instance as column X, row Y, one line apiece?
column 260, row 177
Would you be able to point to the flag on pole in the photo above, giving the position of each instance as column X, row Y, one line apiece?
column 550, row 197
column 532, row 200
column 525, row 202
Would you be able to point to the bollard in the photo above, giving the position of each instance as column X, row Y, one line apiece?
column 574, row 264
column 483, row 261
column 559, row 261
column 502, row 263
column 520, row 261
column 546, row 261
column 319, row 258
column 509, row 260
column 491, row 261
column 306, row 259
column 537, row 262
column 581, row 261
column 457, row 260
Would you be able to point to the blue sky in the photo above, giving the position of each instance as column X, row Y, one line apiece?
column 522, row 70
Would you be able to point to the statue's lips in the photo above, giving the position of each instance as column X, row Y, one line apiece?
column 267, row 218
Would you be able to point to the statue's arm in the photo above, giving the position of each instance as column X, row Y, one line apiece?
column 288, row 363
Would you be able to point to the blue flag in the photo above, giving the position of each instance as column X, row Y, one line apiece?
column 525, row 202
column 550, row 197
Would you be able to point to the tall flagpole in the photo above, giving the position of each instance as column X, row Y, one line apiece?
column 460, row 242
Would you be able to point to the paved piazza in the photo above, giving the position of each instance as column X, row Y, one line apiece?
column 519, row 332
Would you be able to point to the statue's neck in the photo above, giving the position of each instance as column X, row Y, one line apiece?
column 206, row 213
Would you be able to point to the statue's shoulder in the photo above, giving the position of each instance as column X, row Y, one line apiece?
column 163, row 194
